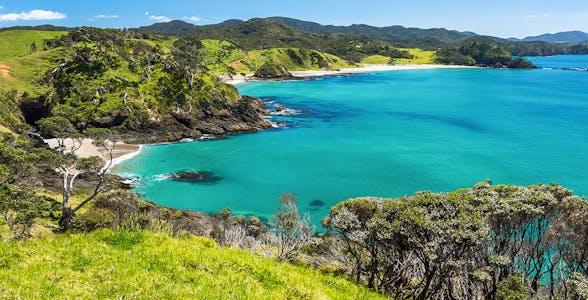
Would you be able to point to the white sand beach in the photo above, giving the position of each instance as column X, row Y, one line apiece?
column 120, row 153
column 239, row 79
column 372, row 68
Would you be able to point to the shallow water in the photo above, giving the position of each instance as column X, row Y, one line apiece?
column 385, row 134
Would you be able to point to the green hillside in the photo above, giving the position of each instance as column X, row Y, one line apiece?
column 293, row 59
column 417, row 57
column 126, row 81
column 147, row 265
column 221, row 56
column 18, row 42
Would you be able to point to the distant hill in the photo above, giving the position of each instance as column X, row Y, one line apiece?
column 398, row 35
column 389, row 33
column 45, row 27
column 560, row 37
column 265, row 33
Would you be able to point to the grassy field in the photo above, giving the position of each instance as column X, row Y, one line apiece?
column 24, row 72
column 376, row 60
column 17, row 42
column 421, row 57
column 147, row 265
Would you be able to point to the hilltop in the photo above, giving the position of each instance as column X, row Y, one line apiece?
column 559, row 37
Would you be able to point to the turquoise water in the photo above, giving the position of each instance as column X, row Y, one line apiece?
column 561, row 61
column 385, row 134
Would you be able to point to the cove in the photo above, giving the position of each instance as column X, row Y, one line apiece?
column 384, row 134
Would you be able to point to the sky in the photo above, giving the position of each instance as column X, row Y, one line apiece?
column 502, row 18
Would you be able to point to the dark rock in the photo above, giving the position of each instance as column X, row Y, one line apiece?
column 317, row 203
column 206, row 177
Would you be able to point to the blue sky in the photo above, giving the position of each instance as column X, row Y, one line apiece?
column 503, row 18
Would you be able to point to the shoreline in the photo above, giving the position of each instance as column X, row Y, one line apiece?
column 240, row 79
column 120, row 153
column 374, row 68
column 130, row 154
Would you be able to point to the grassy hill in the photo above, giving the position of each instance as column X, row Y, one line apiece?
column 293, row 59
column 147, row 265
column 419, row 57
column 17, row 42
column 220, row 55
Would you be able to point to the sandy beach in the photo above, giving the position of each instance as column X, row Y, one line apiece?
column 371, row 68
column 120, row 153
column 239, row 79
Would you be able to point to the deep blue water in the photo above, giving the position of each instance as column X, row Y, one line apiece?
column 386, row 134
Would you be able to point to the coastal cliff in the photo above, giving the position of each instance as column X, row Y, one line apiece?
column 146, row 89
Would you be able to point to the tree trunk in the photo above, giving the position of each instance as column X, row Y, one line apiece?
column 65, row 221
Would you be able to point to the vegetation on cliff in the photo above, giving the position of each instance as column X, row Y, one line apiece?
column 483, row 53
column 482, row 242
column 126, row 81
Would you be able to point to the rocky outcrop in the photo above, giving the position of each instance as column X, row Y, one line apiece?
column 244, row 115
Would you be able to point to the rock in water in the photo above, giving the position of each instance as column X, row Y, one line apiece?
column 317, row 203
column 205, row 177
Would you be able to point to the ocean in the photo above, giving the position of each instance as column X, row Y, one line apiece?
column 386, row 134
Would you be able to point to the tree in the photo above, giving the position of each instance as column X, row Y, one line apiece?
column 71, row 166
column 19, row 208
column 20, row 163
column 290, row 231
column 486, row 242
column 62, row 130
column 32, row 48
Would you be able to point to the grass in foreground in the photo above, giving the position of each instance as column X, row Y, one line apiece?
column 107, row 264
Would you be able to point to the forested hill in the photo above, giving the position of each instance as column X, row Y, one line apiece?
column 293, row 33
column 389, row 33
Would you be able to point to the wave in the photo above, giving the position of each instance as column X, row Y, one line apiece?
column 161, row 177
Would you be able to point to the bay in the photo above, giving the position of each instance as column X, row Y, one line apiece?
column 385, row 134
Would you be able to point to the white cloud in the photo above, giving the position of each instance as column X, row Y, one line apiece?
column 146, row 13
column 159, row 18
column 33, row 15
column 105, row 17
column 192, row 19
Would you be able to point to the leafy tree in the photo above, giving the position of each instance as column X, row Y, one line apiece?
column 512, row 288
column 472, row 243
column 20, row 163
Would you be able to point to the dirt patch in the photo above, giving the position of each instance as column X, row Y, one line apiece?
column 4, row 71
